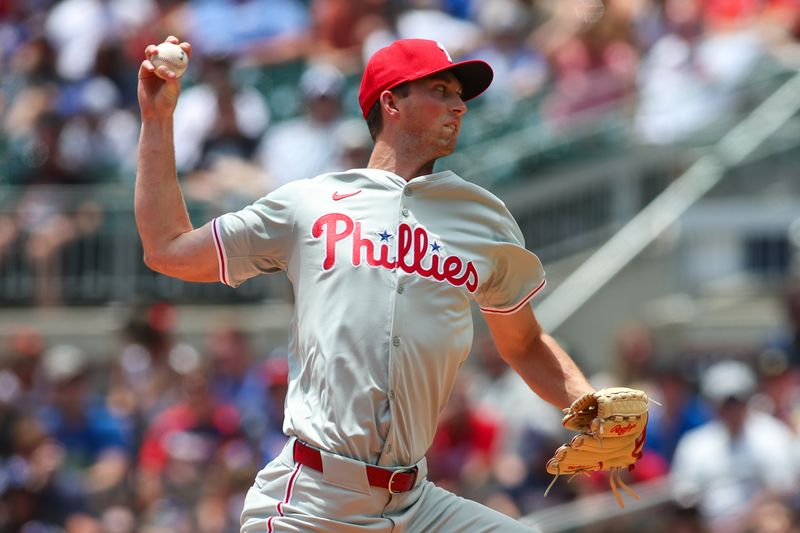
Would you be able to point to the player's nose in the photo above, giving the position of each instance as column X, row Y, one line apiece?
column 457, row 105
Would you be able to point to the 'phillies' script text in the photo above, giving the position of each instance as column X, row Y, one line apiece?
column 413, row 245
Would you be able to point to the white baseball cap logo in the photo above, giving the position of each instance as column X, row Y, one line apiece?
column 443, row 49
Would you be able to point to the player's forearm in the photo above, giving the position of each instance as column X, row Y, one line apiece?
column 537, row 357
column 158, row 203
column 551, row 372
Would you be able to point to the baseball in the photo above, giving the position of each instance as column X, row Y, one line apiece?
column 172, row 56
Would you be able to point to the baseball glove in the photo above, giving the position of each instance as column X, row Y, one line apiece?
column 612, row 426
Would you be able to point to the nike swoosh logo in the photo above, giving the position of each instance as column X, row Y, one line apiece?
column 337, row 196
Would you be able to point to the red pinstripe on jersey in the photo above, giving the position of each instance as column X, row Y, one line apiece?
column 511, row 310
column 223, row 266
column 287, row 498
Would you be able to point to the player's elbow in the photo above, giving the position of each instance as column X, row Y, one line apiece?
column 161, row 263
column 181, row 266
column 154, row 262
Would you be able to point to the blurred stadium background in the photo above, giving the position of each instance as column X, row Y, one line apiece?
column 648, row 148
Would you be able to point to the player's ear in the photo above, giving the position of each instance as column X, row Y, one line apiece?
column 388, row 102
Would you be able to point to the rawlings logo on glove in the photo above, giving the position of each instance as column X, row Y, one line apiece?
column 612, row 426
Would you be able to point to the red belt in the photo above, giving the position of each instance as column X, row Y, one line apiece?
column 395, row 481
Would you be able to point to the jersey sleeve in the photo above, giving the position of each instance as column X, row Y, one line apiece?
column 516, row 273
column 259, row 238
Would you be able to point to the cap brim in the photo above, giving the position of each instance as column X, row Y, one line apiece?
column 475, row 76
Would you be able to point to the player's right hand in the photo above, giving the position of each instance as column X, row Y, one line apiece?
column 158, row 88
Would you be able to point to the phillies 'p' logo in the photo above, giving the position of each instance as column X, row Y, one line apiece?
column 443, row 49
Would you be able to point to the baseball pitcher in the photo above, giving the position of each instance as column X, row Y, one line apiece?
column 384, row 262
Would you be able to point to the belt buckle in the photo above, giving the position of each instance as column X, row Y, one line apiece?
column 403, row 471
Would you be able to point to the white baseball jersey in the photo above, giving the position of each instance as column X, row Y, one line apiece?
column 383, row 272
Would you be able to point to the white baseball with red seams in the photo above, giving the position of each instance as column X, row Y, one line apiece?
column 171, row 56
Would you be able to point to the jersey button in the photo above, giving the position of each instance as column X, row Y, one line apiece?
column 396, row 341
column 405, row 211
column 400, row 289
column 391, row 395
column 407, row 191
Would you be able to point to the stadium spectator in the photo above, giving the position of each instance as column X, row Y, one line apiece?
column 34, row 493
column 779, row 363
column 356, row 144
column 593, row 69
column 218, row 117
column 635, row 354
column 217, row 129
column 788, row 342
column 689, row 78
column 426, row 19
column 269, row 31
column 681, row 410
column 725, row 465
column 97, row 445
column 438, row 20
column 143, row 379
column 520, row 70
column 92, row 141
column 77, row 28
column 307, row 145
column 268, row 432
column 380, row 29
column 466, row 444
column 193, row 428
column 30, row 85
column 238, row 379
column 338, row 29
column 182, row 459
column 23, row 385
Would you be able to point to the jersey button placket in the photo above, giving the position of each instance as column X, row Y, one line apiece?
column 404, row 212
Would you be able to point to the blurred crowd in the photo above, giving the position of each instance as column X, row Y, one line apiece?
column 270, row 95
column 160, row 436
column 166, row 435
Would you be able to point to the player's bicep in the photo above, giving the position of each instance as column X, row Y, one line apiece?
column 192, row 256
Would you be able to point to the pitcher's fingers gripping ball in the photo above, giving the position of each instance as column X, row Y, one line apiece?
column 612, row 426
column 171, row 56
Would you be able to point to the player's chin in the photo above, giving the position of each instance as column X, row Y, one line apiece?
column 447, row 144
column 448, row 148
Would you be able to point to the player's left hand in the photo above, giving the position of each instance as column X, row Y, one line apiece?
column 612, row 425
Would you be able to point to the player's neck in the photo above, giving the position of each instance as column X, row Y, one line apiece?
column 407, row 166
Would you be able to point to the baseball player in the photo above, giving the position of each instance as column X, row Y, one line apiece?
column 384, row 262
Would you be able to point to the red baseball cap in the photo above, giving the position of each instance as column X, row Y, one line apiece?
column 412, row 59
